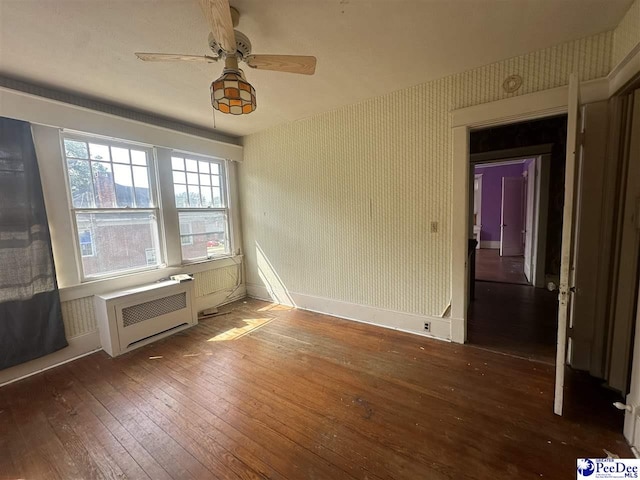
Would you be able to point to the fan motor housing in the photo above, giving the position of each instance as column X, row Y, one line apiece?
column 243, row 45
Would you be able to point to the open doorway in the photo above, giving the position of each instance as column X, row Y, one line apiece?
column 516, row 220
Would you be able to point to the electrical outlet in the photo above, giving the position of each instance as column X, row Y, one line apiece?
column 427, row 326
column 434, row 227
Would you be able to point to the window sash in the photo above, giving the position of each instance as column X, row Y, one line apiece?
column 126, row 271
column 153, row 194
column 223, row 175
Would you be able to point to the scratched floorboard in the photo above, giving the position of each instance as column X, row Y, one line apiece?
column 268, row 392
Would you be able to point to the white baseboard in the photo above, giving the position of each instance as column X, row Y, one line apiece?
column 406, row 322
column 78, row 347
column 489, row 243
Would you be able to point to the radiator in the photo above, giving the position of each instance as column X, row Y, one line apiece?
column 128, row 319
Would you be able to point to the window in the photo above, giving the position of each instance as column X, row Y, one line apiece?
column 113, row 204
column 200, row 193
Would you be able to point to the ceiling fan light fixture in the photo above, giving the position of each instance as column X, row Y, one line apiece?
column 232, row 94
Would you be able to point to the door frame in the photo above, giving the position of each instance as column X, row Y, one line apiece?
column 503, row 112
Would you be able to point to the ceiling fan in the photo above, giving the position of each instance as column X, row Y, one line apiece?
column 231, row 93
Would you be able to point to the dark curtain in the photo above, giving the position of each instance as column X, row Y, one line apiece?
column 30, row 316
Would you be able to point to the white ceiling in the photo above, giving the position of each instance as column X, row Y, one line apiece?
column 364, row 48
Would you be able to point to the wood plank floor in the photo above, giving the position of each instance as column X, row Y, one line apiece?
column 269, row 392
column 491, row 267
column 514, row 319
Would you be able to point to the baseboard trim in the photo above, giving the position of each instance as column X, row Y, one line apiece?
column 78, row 347
column 490, row 244
column 405, row 322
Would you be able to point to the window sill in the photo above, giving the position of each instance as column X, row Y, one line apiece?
column 105, row 285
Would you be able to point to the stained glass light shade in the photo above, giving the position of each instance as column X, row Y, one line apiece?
column 233, row 94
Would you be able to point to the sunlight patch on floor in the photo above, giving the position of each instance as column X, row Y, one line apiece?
column 237, row 332
column 274, row 307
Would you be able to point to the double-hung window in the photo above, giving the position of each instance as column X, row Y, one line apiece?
column 114, row 205
column 200, row 190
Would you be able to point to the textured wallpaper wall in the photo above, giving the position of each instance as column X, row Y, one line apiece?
column 627, row 34
column 340, row 205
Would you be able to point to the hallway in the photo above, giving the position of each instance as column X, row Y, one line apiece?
column 514, row 319
column 491, row 267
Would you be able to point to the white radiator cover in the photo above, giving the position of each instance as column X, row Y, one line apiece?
column 128, row 319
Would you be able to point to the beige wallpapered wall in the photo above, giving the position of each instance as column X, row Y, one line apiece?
column 627, row 34
column 79, row 317
column 339, row 205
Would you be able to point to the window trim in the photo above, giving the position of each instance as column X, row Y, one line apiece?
column 154, row 192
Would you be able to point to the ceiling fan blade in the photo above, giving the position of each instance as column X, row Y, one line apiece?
column 175, row 57
column 218, row 15
column 283, row 63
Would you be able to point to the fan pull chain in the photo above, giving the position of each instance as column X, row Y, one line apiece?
column 213, row 112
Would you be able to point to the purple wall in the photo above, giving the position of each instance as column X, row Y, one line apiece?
column 492, row 196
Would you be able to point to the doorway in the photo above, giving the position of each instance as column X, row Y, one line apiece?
column 517, row 221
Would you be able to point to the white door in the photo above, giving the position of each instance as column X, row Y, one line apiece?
column 529, row 220
column 632, row 415
column 574, row 150
column 511, row 218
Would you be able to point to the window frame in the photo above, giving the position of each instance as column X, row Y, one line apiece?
column 154, row 194
column 225, row 196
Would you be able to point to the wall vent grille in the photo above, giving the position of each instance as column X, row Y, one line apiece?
column 155, row 308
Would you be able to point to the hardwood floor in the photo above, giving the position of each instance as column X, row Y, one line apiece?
column 514, row 319
column 491, row 267
column 268, row 392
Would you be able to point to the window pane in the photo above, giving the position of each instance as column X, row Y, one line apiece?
column 179, row 177
column 205, row 179
column 124, row 185
column 138, row 157
column 180, row 191
column 185, row 234
column 177, row 163
column 207, row 199
column 120, row 155
column 103, row 185
column 215, row 168
column 192, row 178
column 119, row 241
column 99, row 152
column 192, row 165
column 141, row 182
column 85, row 239
column 80, row 182
column 194, row 196
column 75, row 149
column 217, row 198
column 215, row 181
column 204, row 167
column 209, row 234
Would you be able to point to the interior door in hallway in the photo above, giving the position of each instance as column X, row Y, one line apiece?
column 529, row 220
column 511, row 222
